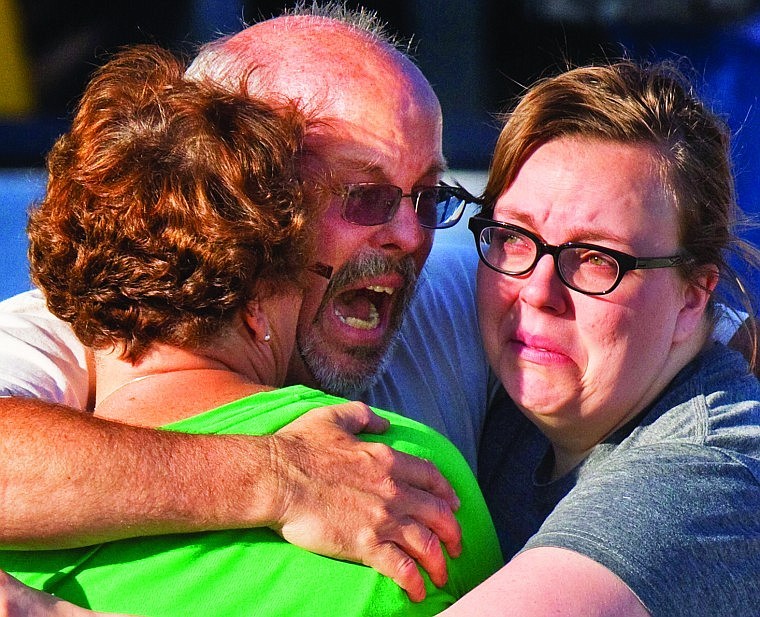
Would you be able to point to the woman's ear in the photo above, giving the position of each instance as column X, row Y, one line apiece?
column 256, row 320
column 697, row 294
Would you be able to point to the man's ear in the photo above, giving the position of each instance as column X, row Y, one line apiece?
column 697, row 294
column 256, row 320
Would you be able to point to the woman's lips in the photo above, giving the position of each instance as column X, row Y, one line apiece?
column 538, row 349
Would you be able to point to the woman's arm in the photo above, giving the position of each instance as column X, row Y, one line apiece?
column 546, row 582
column 18, row 600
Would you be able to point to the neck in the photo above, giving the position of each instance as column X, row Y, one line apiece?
column 168, row 384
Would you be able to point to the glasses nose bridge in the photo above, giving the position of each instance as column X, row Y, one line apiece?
column 414, row 198
column 395, row 205
column 542, row 248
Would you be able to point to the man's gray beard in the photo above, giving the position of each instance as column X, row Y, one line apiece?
column 351, row 382
column 348, row 384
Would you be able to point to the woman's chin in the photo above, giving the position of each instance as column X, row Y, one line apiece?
column 543, row 392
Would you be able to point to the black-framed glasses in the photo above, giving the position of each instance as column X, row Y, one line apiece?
column 372, row 203
column 587, row 268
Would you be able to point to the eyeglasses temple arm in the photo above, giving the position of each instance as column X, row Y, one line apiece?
column 661, row 262
column 321, row 269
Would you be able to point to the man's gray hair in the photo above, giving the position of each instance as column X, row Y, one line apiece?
column 215, row 61
column 361, row 19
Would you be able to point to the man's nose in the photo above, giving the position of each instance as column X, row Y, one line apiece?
column 403, row 234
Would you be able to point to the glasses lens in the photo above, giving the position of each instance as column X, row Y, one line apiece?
column 371, row 204
column 439, row 207
column 507, row 250
column 588, row 270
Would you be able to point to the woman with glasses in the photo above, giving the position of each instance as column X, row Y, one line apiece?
column 175, row 240
column 622, row 466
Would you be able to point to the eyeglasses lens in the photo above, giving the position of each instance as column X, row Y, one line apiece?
column 508, row 250
column 372, row 204
column 439, row 207
column 588, row 270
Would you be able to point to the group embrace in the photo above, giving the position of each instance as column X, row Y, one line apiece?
column 231, row 255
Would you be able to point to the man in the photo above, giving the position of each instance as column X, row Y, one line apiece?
column 380, row 123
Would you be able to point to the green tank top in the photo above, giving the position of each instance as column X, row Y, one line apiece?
column 253, row 571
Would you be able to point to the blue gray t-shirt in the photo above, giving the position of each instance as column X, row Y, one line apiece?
column 438, row 373
column 670, row 503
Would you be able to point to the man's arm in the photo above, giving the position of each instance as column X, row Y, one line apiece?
column 71, row 479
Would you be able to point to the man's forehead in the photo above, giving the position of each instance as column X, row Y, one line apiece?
column 323, row 63
column 378, row 173
column 347, row 160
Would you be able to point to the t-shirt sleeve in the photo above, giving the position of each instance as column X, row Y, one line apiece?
column 40, row 357
column 678, row 523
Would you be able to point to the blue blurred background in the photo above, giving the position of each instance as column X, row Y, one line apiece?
column 478, row 54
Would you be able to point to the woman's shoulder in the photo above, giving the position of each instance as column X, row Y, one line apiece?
column 713, row 399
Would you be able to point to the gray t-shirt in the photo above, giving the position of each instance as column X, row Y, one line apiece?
column 670, row 503
column 438, row 373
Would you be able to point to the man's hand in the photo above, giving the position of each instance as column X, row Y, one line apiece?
column 363, row 502
column 18, row 600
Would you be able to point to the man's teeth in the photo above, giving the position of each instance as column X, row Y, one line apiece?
column 372, row 321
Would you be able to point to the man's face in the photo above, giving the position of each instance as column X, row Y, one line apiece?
column 345, row 332
column 377, row 120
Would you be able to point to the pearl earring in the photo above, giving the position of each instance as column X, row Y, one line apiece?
column 267, row 337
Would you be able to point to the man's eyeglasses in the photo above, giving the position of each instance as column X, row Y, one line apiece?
column 586, row 268
column 321, row 269
column 371, row 203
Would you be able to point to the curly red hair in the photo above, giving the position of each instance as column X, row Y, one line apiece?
column 170, row 203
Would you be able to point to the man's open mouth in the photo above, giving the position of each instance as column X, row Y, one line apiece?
column 363, row 308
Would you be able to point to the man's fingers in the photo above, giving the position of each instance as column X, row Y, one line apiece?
column 420, row 543
column 419, row 523
column 356, row 417
column 397, row 510
column 353, row 417
column 390, row 560
column 424, row 476
column 436, row 516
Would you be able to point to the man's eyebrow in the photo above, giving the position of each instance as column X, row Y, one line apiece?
column 360, row 165
column 375, row 170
